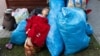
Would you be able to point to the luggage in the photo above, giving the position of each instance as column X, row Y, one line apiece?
column 18, row 36
column 77, row 3
column 54, row 41
column 9, row 21
column 20, row 13
column 73, row 28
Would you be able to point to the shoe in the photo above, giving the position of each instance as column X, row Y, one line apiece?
column 88, row 11
column 9, row 45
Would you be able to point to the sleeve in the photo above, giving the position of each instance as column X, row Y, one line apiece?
column 32, row 31
column 29, row 23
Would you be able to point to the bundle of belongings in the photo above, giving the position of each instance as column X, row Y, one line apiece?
column 74, row 29
column 18, row 36
column 79, row 4
column 69, row 29
column 9, row 22
column 13, row 17
column 54, row 40
column 20, row 14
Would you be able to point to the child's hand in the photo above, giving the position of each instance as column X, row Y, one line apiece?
column 28, row 31
column 29, row 50
column 28, row 42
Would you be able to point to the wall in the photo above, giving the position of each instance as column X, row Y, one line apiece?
column 2, row 7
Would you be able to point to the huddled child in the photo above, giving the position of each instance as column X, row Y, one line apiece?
column 37, row 29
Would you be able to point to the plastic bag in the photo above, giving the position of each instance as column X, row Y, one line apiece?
column 72, row 26
column 89, row 29
column 77, row 3
column 54, row 41
column 18, row 36
column 56, row 5
column 21, row 26
column 20, row 14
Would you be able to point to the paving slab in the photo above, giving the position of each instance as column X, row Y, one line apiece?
column 3, row 33
column 94, row 17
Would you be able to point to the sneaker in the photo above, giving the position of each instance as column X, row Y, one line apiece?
column 9, row 45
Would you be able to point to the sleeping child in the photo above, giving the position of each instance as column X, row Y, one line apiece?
column 37, row 29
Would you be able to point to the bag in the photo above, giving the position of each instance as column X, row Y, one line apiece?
column 54, row 41
column 73, row 27
column 18, row 36
column 20, row 14
column 89, row 29
column 9, row 21
column 56, row 6
column 21, row 26
column 77, row 3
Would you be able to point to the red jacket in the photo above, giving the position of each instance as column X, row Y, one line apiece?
column 39, row 29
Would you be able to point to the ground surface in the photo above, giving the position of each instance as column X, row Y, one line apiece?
column 94, row 17
column 3, row 33
column 92, row 50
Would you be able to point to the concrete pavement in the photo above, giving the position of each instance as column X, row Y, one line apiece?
column 3, row 33
column 94, row 17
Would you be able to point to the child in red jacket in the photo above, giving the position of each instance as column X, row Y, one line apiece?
column 37, row 29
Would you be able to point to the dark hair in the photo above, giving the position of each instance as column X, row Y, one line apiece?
column 35, row 11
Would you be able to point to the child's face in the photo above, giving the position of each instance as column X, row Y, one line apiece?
column 45, row 11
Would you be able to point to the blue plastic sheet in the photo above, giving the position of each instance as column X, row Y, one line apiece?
column 73, row 27
column 89, row 29
column 18, row 36
column 21, row 26
column 54, row 41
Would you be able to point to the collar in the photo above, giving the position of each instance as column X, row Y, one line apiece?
column 40, row 15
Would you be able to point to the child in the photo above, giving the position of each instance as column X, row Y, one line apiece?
column 10, row 45
column 37, row 29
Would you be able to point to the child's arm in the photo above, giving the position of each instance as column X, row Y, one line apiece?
column 29, row 24
column 32, row 31
column 28, row 31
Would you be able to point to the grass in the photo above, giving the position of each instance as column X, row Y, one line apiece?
column 92, row 50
